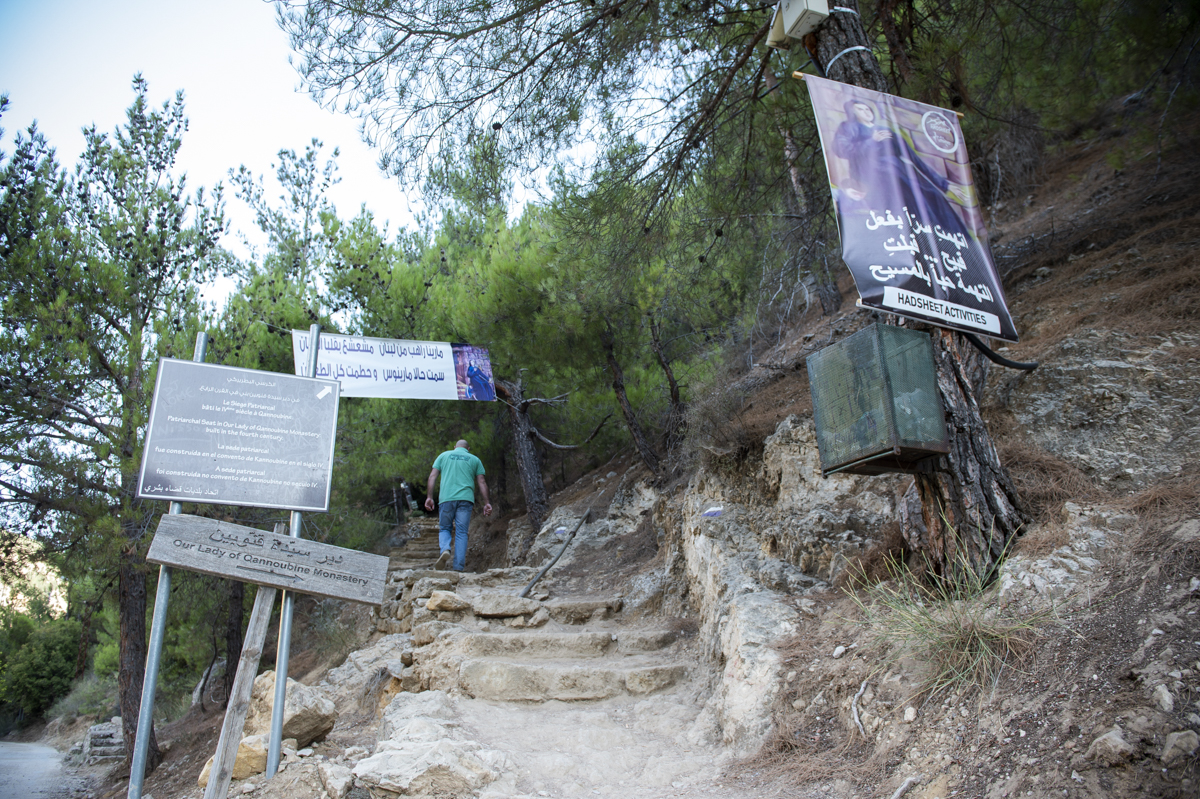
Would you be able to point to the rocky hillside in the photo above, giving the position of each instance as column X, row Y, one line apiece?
column 730, row 632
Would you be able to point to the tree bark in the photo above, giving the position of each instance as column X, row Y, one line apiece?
column 537, row 504
column 834, row 49
column 678, row 412
column 618, row 383
column 970, row 510
column 233, row 635
column 131, row 600
column 969, row 507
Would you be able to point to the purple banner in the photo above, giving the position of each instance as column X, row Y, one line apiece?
column 912, row 234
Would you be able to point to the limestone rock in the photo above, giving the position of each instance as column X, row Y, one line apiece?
column 294, row 781
column 446, row 601
column 743, row 704
column 425, row 632
column 1163, row 698
column 308, row 714
column 418, row 755
column 493, row 604
column 347, row 683
column 1136, row 423
column 406, row 707
column 251, row 759
column 426, row 586
column 337, row 779
column 426, row 768
column 1178, row 746
column 1111, row 748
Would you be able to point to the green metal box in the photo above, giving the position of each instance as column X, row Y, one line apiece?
column 875, row 402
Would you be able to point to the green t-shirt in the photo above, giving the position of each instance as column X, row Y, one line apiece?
column 458, row 469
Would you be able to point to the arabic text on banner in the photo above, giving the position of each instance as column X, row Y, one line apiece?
column 384, row 367
column 912, row 233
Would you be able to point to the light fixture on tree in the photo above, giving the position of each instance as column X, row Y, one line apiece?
column 795, row 18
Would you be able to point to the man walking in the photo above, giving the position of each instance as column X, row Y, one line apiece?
column 461, row 472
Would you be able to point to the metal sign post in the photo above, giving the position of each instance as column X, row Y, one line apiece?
column 224, row 435
column 283, row 648
column 158, row 626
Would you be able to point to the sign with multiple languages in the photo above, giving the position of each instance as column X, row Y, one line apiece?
column 248, row 555
column 384, row 367
column 229, row 436
column 912, row 233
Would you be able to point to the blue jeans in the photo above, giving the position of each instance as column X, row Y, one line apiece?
column 456, row 512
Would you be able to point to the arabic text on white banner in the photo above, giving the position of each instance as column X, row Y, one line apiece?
column 399, row 369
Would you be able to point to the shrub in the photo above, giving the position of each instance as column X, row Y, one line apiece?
column 42, row 670
column 91, row 695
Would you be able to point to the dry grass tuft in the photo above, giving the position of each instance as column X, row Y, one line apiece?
column 1161, row 508
column 960, row 629
column 1044, row 481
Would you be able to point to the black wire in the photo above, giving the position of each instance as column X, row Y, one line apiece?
column 995, row 358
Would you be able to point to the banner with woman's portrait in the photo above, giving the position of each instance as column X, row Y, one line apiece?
column 911, row 229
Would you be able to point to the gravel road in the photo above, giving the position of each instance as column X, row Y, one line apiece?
column 33, row 771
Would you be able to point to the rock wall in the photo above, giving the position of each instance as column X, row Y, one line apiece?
column 1120, row 409
column 752, row 542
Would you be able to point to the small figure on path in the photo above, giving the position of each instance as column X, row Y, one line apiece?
column 461, row 472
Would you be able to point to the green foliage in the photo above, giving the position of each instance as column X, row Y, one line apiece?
column 90, row 695
column 41, row 670
column 99, row 276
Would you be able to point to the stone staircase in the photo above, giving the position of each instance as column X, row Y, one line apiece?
column 103, row 743
column 481, row 692
column 473, row 634
column 419, row 549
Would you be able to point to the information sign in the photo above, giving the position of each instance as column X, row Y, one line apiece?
column 248, row 555
column 229, row 436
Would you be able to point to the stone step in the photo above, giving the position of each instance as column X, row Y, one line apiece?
column 96, row 760
column 559, row 645
column 106, row 751
column 544, row 645
column 580, row 611
column 509, row 681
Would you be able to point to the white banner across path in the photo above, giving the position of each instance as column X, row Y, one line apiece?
column 399, row 369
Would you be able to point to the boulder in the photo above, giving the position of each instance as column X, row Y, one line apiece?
column 251, row 759
column 308, row 713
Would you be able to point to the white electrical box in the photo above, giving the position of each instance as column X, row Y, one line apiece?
column 778, row 37
column 802, row 16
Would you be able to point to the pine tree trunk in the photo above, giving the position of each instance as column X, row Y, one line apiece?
column 678, row 411
column 969, row 507
column 618, row 383
column 835, row 42
column 131, row 601
column 537, row 504
column 233, row 635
